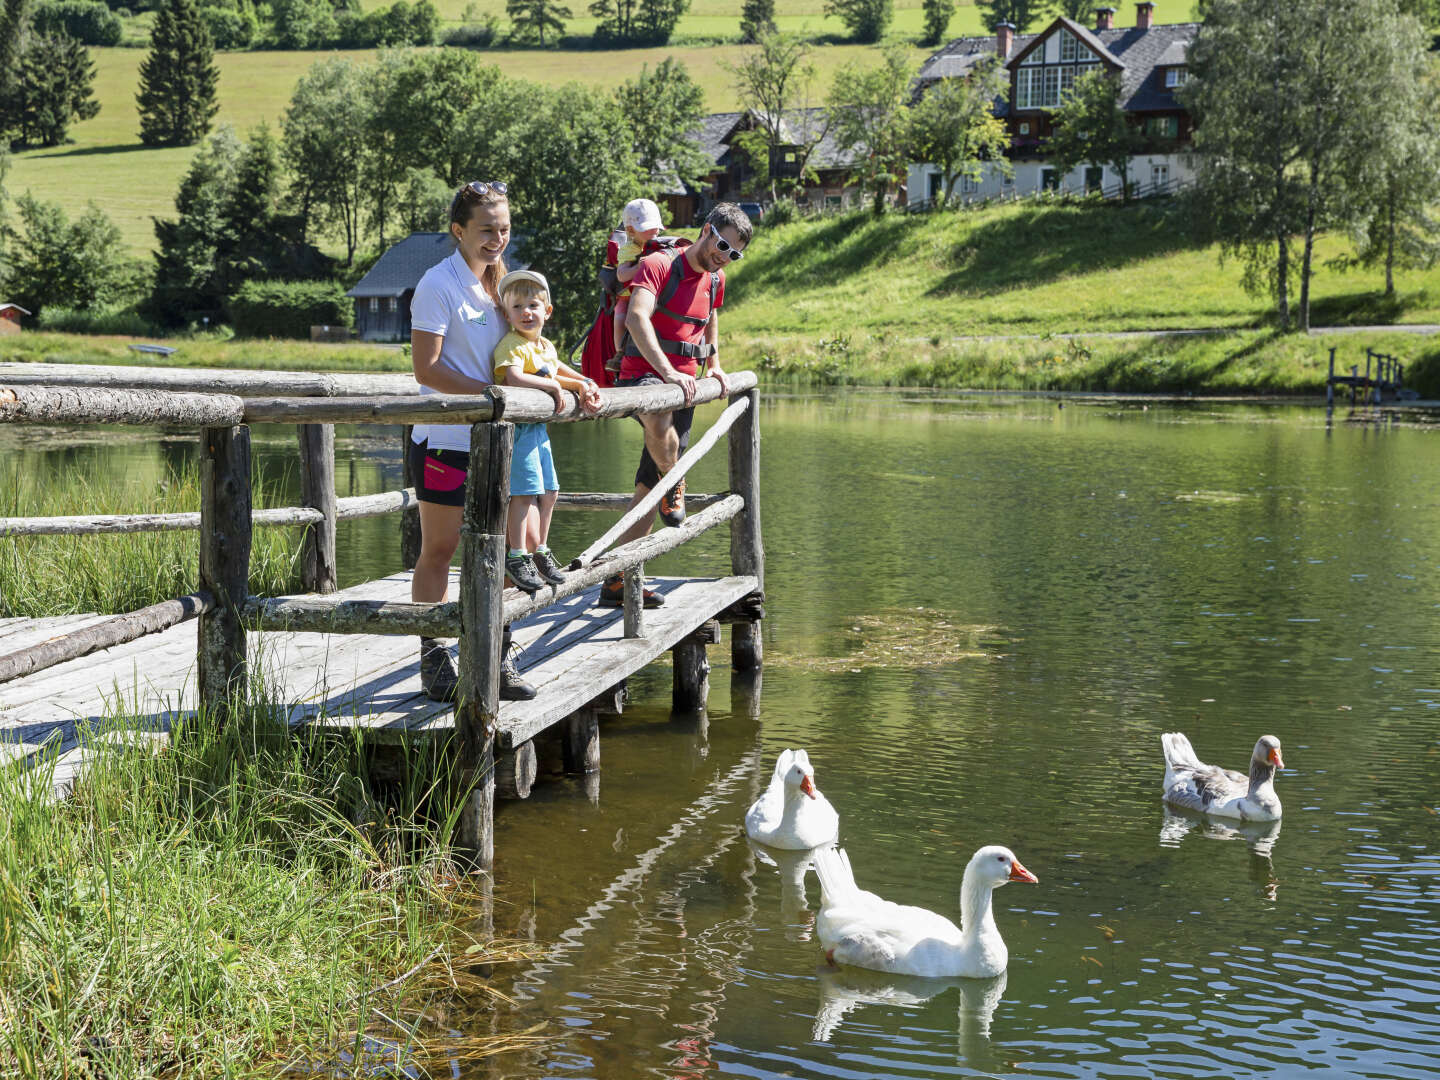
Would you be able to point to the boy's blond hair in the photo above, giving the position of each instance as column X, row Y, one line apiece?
column 525, row 289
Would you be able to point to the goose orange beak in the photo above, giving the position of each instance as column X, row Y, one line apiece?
column 1275, row 758
column 808, row 787
column 1019, row 873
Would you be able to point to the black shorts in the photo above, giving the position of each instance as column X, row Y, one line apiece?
column 439, row 474
column 648, row 474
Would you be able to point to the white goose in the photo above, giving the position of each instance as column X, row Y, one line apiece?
column 1192, row 784
column 792, row 813
column 859, row 928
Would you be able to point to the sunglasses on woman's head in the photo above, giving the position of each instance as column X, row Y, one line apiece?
column 727, row 248
column 481, row 188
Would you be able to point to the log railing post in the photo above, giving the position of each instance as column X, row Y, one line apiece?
column 634, row 600
column 224, row 565
column 410, row 517
column 482, row 580
column 317, row 490
column 747, row 549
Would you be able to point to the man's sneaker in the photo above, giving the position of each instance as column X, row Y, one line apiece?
column 521, row 570
column 512, row 686
column 548, row 568
column 672, row 505
column 612, row 594
column 437, row 673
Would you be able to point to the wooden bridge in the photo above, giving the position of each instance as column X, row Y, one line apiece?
column 348, row 659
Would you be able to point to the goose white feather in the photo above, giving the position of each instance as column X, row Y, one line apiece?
column 861, row 929
column 792, row 813
column 1193, row 785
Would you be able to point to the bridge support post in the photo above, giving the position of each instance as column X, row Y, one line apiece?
column 482, row 580
column 224, row 566
column 317, row 490
column 747, row 549
column 691, row 683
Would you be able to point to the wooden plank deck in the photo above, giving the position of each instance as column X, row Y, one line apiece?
column 572, row 651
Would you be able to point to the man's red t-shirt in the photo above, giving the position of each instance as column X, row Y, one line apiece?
column 691, row 298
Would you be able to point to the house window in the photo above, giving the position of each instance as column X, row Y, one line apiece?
column 1069, row 47
column 1052, row 87
column 1028, row 86
column 834, row 202
column 969, row 186
column 1049, row 180
column 374, row 304
column 1159, row 176
column 933, row 182
column 1094, row 178
column 1009, row 180
column 1163, row 127
column 392, row 305
column 1176, row 77
column 1067, row 81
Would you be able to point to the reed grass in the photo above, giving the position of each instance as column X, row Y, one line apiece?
column 64, row 575
column 237, row 904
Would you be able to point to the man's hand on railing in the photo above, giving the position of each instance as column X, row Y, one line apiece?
column 684, row 381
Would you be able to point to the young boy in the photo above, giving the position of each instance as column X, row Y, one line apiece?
column 524, row 358
column 642, row 224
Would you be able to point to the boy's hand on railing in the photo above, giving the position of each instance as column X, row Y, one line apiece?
column 589, row 397
column 555, row 391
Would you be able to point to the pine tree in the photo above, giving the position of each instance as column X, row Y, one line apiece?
column 50, row 87
column 757, row 17
column 179, row 79
column 937, row 20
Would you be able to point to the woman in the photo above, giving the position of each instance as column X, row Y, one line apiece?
column 456, row 322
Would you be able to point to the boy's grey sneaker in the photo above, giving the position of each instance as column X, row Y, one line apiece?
column 521, row 570
column 547, row 566
column 437, row 673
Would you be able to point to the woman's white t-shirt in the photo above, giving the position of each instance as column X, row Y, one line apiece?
column 450, row 301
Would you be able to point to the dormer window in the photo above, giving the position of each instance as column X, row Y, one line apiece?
column 1175, row 76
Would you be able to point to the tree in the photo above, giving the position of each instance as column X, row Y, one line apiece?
column 954, row 126
column 616, row 19
column 937, row 20
column 637, row 21
column 870, row 114
column 656, row 20
column 325, row 146
column 663, row 110
column 303, row 24
column 1077, row 10
column 770, row 79
column 1022, row 14
column 4, row 215
column 1287, row 98
column 187, row 283
column 532, row 18
column 756, row 17
column 865, row 19
column 1091, row 128
column 178, row 79
column 59, row 263
column 50, row 88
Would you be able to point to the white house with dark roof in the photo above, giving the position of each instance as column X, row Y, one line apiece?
column 382, row 297
column 1148, row 58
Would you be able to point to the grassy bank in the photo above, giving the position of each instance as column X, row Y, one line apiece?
column 62, row 575
column 234, row 906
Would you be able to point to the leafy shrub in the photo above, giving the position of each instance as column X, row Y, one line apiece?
column 402, row 23
column 287, row 309
column 474, row 35
column 232, row 28
column 87, row 21
column 782, row 212
column 67, row 320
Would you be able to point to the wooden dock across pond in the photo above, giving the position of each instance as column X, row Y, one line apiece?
column 572, row 652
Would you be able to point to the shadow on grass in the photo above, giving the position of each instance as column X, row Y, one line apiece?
column 93, row 151
column 1035, row 244
column 832, row 252
column 1365, row 308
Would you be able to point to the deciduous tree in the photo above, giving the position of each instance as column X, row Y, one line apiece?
column 865, row 19
column 1022, row 14
column 56, row 262
column 954, row 126
column 756, row 17
column 325, row 144
column 533, row 19
column 1091, row 128
column 870, row 114
column 771, row 79
column 178, row 79
column 938, row 14
column 663, row 109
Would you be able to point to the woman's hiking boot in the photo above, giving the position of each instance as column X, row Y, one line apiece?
column 441, row 683
column 512, row 686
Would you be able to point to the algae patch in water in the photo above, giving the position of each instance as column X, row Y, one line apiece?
column 903, row 638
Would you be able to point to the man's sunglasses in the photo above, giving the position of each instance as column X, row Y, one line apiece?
column 727, row 248
column 480, row 188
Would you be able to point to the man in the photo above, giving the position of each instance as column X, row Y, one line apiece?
column 674, row 329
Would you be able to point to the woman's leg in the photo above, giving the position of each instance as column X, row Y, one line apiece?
column 439, row 537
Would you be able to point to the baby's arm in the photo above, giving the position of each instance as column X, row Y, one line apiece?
column 625, row 272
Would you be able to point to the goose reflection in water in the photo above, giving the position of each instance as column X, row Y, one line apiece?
column 1259, row 836
column 845, row 989
column 795, row 912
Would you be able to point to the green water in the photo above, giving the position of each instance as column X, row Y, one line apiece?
column 981, row 617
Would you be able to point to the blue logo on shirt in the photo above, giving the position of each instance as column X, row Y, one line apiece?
column 479, row 320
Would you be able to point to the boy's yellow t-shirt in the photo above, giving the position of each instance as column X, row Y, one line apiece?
column 629, row 252
column 536, row 357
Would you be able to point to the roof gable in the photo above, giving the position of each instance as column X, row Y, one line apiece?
column 404, row 264
column 1086, row 38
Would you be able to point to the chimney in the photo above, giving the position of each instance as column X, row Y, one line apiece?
column 1004, row 39
column 1144, row 15
column 1104, row 18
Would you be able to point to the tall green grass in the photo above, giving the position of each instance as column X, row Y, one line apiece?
column 237, row 904
column 64, row 575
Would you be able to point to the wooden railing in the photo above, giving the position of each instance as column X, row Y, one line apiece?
column 223, row 405
column 1388, row 377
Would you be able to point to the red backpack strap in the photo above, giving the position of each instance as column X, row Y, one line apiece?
column 672, row 283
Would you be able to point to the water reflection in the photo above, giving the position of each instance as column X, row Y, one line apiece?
column 1259, row 836
column 792, row 866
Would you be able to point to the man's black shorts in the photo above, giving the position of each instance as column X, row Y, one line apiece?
column 439, row 474
column 648, row 474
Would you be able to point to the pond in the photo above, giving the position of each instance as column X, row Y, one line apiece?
column 982, row 615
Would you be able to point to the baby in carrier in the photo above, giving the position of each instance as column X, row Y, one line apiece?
column 641, row 222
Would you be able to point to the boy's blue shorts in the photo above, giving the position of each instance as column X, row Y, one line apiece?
column 532, row 467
